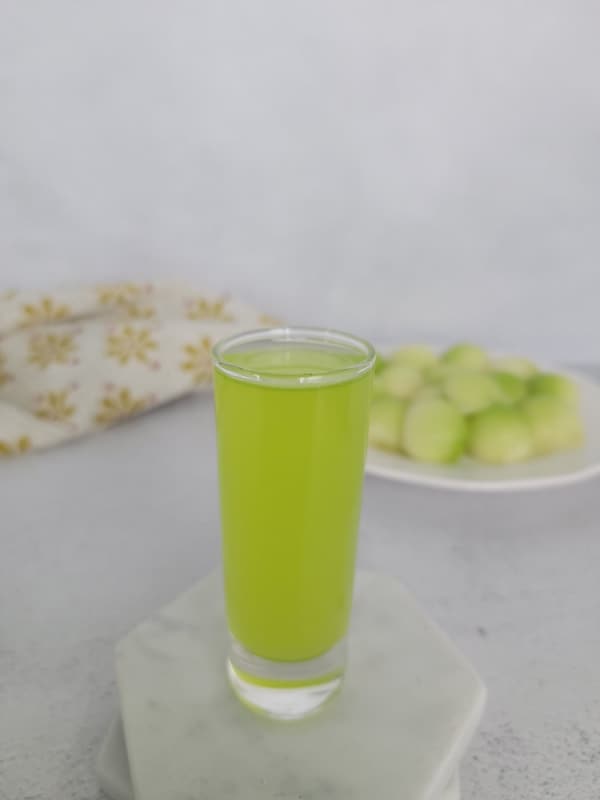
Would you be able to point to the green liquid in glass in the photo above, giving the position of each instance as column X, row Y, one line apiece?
column 291, row 463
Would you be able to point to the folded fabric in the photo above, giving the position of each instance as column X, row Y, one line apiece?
column 79, row 359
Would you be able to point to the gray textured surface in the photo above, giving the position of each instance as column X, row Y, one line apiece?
column 447, row 150
column 97, row 534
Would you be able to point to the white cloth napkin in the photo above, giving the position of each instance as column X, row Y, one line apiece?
column 79, row 359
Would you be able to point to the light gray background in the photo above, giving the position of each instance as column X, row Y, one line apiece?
column 423, row 168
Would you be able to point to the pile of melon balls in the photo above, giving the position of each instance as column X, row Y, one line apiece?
column 439, row 408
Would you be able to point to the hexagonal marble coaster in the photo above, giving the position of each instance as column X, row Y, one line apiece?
column 408, row 709
column 115, row 777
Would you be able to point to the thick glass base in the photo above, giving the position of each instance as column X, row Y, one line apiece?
column 285, row 690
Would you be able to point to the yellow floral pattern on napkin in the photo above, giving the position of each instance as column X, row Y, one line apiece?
column 197, row 360
column 118, row 404
column 55, row 406
column 48, row 348
column 4, row 376
column 79, row 359
column 45, row 310
column 129, row 343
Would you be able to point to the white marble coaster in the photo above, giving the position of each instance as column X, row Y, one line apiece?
column 396, row 731
column 115, row 778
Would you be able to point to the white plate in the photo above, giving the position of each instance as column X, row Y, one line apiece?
column 555, row 470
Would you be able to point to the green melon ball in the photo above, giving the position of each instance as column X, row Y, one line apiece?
column 558, row 386
column 510, row 387
column 500, row 435
column 438, row 373
column 555, row 425
column 470, row 391
column 467, row 356
column 415, row 355
column 380, row 363
column 399, row 380
column 521, row 367
column 385, row 422
column 434, row 431
column 377, row 390
column 428, row 391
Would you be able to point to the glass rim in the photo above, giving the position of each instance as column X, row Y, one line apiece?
column 307, row 334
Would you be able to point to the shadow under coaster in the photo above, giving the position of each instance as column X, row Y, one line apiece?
column 398, row 729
